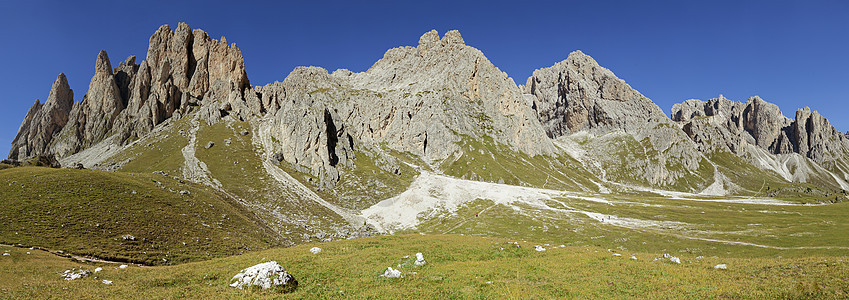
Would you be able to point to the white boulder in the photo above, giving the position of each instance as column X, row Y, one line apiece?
column 720, row 267
column 539, row 248
column 71, row 275
column 675, row 260
column 265, row 276
column 391, row 273
column 420, row 261
column 315, row 250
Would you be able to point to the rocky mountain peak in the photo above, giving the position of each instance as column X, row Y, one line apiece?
column 453, row 37
column 577, row 94
column 731, row 125
column 61, row 94
column 102, row 65
column 429, row 39
column 43, row 121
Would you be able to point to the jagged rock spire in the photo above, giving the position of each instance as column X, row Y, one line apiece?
column 43, row 121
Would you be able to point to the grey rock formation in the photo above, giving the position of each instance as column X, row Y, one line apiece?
column 43, row 122
column 722, row 124
column 91, row 120
column 579, row 95
column 422, row 100
column 440, row 92
column 184, row 70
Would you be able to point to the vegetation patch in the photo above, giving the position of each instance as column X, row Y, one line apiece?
column 142, row 218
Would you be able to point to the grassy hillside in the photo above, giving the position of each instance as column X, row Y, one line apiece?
column 88, row 213
column 458, row 267
column 487, row 160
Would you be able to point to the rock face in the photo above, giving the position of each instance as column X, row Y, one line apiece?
column 43, row 121
column 92, row 119
column 722, row 124
column 578, row 95
column 420, row 100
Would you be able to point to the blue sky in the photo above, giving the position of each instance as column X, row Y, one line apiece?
column 792, row 53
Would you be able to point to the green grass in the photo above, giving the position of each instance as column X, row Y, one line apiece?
column 367, row 184
column 87, row 212
column 239, row 168
column 704, row 227
column 487, row 160
column 157, row 152
column 458, row 267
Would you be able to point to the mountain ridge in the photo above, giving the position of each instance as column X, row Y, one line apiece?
column 345, row 141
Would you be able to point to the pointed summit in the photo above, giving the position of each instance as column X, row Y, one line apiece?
column 43, row 121
column 429, row 39
column 61, row 94
column 103, row 65
column 453, row 37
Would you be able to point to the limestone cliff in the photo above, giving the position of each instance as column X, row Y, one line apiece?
column 720, row 123
column 578, row 95
column 43, row 121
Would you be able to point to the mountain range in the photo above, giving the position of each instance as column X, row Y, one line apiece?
column 318, row 155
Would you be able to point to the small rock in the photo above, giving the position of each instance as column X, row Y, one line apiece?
column 391, row 273
column 420, row 261
column 98, row 269
column 675, row 260
column 128, row 237
column 245, row 132
column 107, row 282
column 315, row 250
column 70, row 275
column 185, row 192
column 227, row 142
column 209, row 145
column 617, row 254
column 633, row 257
column 123, row 266
column 4, row 254
column 720, row 267
column 539, row 248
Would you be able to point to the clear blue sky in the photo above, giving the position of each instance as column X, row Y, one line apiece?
column 792, row 53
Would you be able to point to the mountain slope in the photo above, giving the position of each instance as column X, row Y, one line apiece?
column 94, row 213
